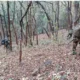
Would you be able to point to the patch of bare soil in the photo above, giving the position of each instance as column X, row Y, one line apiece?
column 40, row 62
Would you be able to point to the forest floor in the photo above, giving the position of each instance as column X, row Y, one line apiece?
column 50, row 60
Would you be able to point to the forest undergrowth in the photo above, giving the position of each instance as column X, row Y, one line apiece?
column 50, row 60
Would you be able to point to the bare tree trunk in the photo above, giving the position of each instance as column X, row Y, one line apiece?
column 15, row 33
column 21, row 24
column 9, row 25
column 20, row 56
column 26, row 34
column 24, row 16
column 69, row 11
column 14, row 12
column 35, row 31
column 2, row 27
column 52, row 14
column 26, row 11
column 58, row 14
column 30, row 28
column 55, row 26
column 5, row 19
column 48, row 17
column 69, row 16
column 57, row 20
column 46, row 32
column 0, row 36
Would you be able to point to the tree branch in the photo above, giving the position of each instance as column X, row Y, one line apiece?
column 26, row 11
column 48, row 17
column 21, row 5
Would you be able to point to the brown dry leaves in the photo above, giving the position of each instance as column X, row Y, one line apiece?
column 46, row 60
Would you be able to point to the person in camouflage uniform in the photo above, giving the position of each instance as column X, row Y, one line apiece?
column 6, row 43
column 75, row 34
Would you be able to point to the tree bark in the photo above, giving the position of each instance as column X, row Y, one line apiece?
column 5, row 20
column 15, row 33
column 20, row 56
column 35, row 31
column 2, row 27
column 26, row 11
column 30, row 27
column 14, row 12
column 9, row 25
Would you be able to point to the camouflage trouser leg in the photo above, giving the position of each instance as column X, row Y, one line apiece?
column 74, row 47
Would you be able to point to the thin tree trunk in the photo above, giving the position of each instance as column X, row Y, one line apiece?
column 30, row 28
column 15, row 33
column 20, row 56
column 14, row 12
column 9, row 25
column 0, row 36
column 5, row 19
column 2, row 27
column 57, row 20
column 26, row 34
column 35, row 31
column 58, row 14
column 24, row 16
column 48, row 17
column 21, row 24
column 46, row 32
column 26, row 11
column 69, row 16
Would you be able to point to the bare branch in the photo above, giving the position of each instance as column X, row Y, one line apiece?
column 48, row 17
column 21, row 5
column 48, row 2
column 64, row 4
column 26, row 11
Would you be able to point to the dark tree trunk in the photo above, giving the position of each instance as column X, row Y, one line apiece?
column 57, row 14
column 26, row 34
column 57, row 20
column 46, row 32
column 20, row 56
column 69, row 16
column 9, row 25
column 21, row 23
column 26, row 11
column 35, row 31
column 24, row 16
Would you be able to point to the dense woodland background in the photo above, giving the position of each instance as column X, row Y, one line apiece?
column 32, row 18
column 37, row 31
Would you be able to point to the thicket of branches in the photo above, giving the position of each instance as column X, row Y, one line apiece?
column 25, row 20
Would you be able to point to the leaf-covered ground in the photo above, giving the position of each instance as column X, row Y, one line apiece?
column 50, row 60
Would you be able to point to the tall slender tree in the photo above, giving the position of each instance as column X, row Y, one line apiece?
column 9, row 29
column 4, row 15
